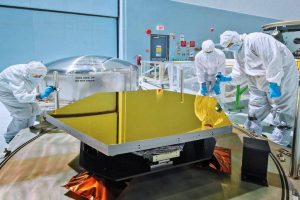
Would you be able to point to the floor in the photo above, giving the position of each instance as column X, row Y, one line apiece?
column 40, row 169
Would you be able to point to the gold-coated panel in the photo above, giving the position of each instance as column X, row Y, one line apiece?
column 100, row 127
column 118, row 118
column 157, row 113
column 98, row 102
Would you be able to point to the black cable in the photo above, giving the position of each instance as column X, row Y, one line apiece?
column 4, row 161
column 284, row 187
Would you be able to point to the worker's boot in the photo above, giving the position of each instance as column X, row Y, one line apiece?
column 255, row 127
column 276, row 135
column 281, row 136
column 5, row 153
column 247, row 124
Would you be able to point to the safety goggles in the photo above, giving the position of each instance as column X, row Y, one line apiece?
column 36, row 75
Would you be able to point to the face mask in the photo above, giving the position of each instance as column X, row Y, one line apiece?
column 33, row 79
column 235, row 48
column 210, row 55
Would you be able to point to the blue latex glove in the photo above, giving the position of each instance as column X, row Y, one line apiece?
column 216, row 88
column 203, row 89
column 47, row 92
column 221, row 78
column 274, row 90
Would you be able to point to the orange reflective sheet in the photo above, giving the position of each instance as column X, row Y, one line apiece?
column 88, row 186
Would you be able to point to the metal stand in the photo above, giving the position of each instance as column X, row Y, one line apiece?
column 129, row 165
column 294, row 165
column 56, row 94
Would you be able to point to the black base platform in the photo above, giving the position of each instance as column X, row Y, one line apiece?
column 129, row 165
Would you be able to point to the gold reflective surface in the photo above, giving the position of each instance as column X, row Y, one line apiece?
column 120, row 117
column 102, row 127
column 98, row 102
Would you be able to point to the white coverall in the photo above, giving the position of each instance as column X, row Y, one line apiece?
column 261, row 60
column 209, row 64
column 17, row 93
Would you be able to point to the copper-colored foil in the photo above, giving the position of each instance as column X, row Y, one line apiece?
column 223, row 157
column 87, row 186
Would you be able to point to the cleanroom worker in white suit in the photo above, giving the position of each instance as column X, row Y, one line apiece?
column 17, row 93
column 270, row 69
column 209, row 62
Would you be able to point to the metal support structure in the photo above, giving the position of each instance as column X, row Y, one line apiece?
column 181, row 85
column 170, row 69
column 162, row 69
column 56, row 94
column 152, row 72
column 130, row 165
column 294, row 165
column 130, row 87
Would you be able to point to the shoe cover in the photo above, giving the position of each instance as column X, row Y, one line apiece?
column 247, row 124
column 281, row 136
column 256, row 128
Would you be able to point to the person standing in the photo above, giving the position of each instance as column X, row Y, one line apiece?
column 209, row 62
column 17, row 92
column 270, row 70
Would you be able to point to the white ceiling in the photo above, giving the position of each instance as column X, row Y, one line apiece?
column 274, row 9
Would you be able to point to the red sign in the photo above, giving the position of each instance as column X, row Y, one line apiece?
column 160, row 27
column 148, row 31
column 192, row 43
column 183, row 43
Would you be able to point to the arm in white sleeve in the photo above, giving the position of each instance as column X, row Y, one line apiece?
column 238, row 75
column 200, row 70
column 269, row 51
column 222, row 63
column 19, row 91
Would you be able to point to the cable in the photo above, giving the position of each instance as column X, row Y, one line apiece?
column 4, row 161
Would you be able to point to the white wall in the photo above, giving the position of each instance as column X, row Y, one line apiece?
column 194, row 22
column 274, row 9
column 49, row 30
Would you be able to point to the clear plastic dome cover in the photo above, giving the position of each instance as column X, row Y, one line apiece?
column 78, row 64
